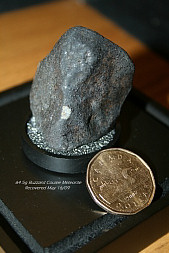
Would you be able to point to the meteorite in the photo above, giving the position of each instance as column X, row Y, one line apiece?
column 78, row 89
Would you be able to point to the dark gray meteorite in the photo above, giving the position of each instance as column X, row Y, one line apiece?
column 79, row 88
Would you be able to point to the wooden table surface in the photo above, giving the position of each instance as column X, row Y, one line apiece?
column 28, row 35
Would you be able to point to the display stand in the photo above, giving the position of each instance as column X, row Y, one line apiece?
column 44, row 211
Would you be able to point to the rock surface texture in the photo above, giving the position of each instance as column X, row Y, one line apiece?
column 79, row 88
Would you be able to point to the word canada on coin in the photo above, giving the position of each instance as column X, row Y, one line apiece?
column 120, row 181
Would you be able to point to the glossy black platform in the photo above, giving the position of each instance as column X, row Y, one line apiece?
column 60, row 163
column 62, row 217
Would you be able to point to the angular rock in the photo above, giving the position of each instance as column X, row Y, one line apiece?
column 79, row 88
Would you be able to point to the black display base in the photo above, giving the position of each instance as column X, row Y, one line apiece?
column 42, row 211
column 60, row 163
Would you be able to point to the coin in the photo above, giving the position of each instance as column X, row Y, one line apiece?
column 120, row 181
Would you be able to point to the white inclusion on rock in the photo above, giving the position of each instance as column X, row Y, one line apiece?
column 66, row 111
